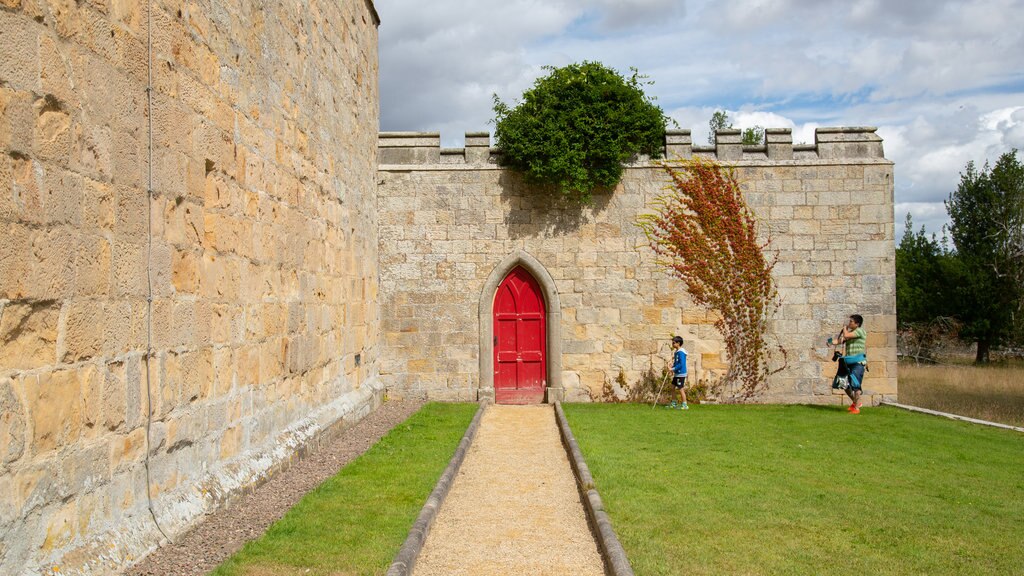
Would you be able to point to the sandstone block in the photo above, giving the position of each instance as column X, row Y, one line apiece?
column 129, row 263
column 51, row 272
column 197, row 379
column 55, row 72
column 84, row 330
column 131, row 214
column 230, row 443
column 61, row 196
column 61, row 527
column 128, row 159
column 97, row 202
column 113, row 396
column 92, row 262
column 28, row 334
column 876, row 214
column 271, row 360
column 12, row 425
column 53, row 130
column 223, row 372
column 166, row 381
column 54, row 407
column 184, row 272
column 19, row 52
column 91, row 379
column 136, row 369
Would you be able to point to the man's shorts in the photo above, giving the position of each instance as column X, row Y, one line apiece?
column 857, row 371
column 679, row 381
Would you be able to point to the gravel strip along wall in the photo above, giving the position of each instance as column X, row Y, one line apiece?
column 612, row 551
column 405, row 560
column 226, row 530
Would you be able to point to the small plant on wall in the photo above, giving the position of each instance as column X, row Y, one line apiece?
column 704, row 233
column 577, row 126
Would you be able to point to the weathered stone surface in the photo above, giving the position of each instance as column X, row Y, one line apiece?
column 12, row 425
column 228, row 303
column 19, row 52
column 54, row 405
column 84, row 332
column 28, row 334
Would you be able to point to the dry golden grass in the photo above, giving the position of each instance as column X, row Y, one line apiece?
column 993, row 393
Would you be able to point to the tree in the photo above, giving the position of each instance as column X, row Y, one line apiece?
column 577, row 126
column 752, row 136
column 719, row 121
column 919, row 278
column 987, row 213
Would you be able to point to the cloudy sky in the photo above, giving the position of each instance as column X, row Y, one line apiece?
column 943, row 81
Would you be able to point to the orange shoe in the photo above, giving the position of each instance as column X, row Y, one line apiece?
column 851, row 408
column 854, row 409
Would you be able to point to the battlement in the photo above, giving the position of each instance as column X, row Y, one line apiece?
column 855, row 142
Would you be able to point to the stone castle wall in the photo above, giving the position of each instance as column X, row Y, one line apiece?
column 258, row 247
column 452, row 223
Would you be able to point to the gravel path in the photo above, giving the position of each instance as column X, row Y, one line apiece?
column 225, row 531
column 514, row 507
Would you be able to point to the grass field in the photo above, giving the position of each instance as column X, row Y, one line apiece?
column 993, row 393
column 355, row 522
column 805, row 490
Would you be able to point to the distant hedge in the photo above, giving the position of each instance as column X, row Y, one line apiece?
column 577, row 126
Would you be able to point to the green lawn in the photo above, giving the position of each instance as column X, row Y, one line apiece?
column 805, row 490
column 355, row 522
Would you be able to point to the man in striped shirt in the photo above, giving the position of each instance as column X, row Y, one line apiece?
column 855, row 338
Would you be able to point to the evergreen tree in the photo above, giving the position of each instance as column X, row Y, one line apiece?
column 719, row 121
column 987, row 213
column 918, row 277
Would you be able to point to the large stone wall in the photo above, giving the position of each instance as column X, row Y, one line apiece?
column 452, row 222
column 258, row 247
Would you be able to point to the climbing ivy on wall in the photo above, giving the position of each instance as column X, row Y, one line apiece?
column 704, row 233
column 577, row 126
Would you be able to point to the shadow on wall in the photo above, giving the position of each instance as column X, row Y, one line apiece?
column 536, row 210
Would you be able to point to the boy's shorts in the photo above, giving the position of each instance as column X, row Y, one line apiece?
column 679, row 381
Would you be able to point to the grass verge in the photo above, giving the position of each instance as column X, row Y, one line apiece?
column 355, row 522
column 805, row 490
column 993, row 393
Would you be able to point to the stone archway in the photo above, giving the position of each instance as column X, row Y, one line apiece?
column 553, row 312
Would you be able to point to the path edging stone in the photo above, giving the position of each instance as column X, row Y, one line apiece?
column 405, row 560
column 951, row 416
column 614, row 555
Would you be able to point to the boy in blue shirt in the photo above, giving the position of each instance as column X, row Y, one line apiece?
column 679, row 373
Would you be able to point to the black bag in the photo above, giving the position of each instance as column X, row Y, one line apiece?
column 842, row 379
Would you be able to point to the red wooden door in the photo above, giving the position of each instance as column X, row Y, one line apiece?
column 520, row 367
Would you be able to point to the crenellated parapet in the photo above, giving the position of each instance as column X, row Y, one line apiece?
column 853, row 143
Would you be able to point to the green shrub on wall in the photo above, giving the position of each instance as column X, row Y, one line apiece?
column 577, row 126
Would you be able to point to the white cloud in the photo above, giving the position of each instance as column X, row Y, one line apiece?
column 929, row 215
column 622, row 14
column 942, row 79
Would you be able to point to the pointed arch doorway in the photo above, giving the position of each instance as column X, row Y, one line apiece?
column 520, row 336
column 547, row 300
